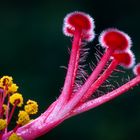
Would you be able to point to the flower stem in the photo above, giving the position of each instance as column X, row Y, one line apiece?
column 71, row 73
column 7, row 112
column 107, row 97
column 36, row 128
column 79, row 94
column 12, row 111
column 100, row 80
column 1, row 104
column 3, row 99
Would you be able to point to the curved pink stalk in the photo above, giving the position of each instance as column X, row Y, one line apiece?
column 71, row 73
column 100, row 80
column 107, row 97
column 12, row 111
column 79, row 94
column 36, row 128
column 79, row 25
column 7, row 111
column 3, row 99
column 126, row 59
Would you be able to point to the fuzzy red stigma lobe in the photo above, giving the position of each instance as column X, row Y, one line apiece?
column 115, row 39
column 79, row 20
column 125, row 59
column 136, row 69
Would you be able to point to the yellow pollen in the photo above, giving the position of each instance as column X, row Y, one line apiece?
column 13, row 88
column 4, row 107
column 6, row 81
column 14, row 136
column 3, row 124
column 23, row 118
column 16, row 97
column 31, row 107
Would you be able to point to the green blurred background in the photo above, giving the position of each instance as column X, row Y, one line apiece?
column 33, row 48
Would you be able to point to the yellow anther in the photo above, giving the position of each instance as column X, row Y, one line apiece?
column 16, row 97
column 3, row 124
column 4, row 107
column 23, row 118
column 14, row 136
column 13, row 88
column 6, row 81
column 31, row 107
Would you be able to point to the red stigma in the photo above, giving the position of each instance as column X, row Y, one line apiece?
column 136, row 69
column 125, row 59
column 115, row 39
column 81, row 21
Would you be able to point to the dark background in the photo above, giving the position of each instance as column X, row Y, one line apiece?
column 33, row 47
